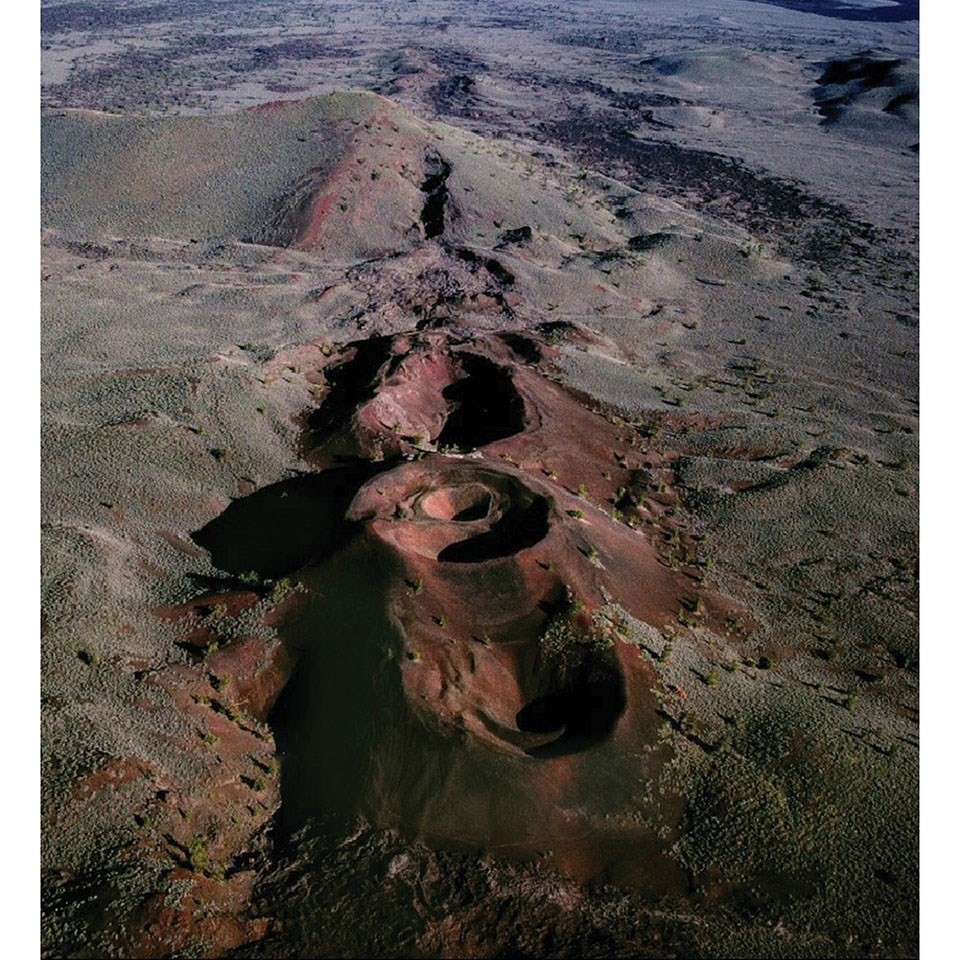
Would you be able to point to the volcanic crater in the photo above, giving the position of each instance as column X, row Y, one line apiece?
column 390, row 394
column 462, row 513
column 455, row 617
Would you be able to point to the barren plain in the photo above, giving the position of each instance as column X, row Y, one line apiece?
column 479, row 478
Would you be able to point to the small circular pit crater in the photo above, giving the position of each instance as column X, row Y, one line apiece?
column 455, row 513
column 461, row 504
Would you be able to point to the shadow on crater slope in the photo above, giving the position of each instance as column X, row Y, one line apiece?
column 280, row 528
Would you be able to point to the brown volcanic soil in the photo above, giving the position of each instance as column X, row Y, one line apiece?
column 451, row 552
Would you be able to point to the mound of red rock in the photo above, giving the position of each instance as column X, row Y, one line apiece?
column 453, row 664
